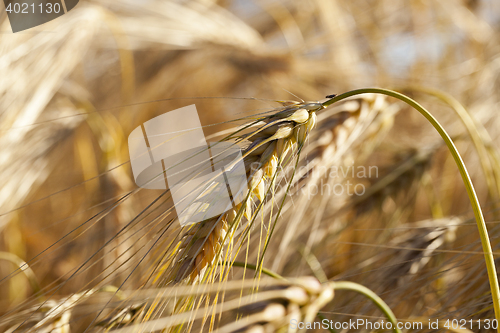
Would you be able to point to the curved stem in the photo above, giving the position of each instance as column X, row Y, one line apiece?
column 483, row 231
column 22, row 266
column 478, row 134
column 346, row 285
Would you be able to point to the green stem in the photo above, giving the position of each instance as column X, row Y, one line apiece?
column 346, row 285
column 483, row 231
column 478, row 134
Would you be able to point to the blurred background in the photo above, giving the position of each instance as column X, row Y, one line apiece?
column 73, row 89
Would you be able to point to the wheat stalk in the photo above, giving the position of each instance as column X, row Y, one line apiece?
column 271, row 308
column 51, row 316
column 279, row 135
column 300, row 302
column 346, row 132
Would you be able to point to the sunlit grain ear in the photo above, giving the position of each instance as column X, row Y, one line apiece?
column 200, row 250
column 82, row 249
